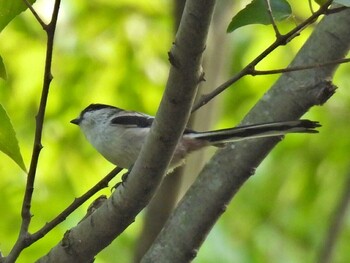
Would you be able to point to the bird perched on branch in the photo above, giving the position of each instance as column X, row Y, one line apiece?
column 119, row 134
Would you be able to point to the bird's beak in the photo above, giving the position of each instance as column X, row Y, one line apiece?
column 75, row 121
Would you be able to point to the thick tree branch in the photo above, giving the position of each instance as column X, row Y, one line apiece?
column 163, row 203
column 291, row 96
column 83, row 242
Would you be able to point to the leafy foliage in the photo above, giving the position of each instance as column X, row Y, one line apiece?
column 8, row 141
column 256, row 13
column 10, row 9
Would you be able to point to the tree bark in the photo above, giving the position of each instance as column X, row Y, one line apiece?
column 83, row 242
column 289, row 98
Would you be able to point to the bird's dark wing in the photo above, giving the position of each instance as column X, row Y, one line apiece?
column 143, row 121
column 138, row 120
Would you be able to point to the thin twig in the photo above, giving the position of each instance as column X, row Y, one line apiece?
column 38, row 18
column 50, row 31
column 335, row 10
column 272, row 20
column 74, row 205
column 31, row 238
column 255, row 72
column 282, row 40
column 23, row 238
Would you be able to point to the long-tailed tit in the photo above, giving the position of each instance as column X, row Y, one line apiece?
column 119, row 134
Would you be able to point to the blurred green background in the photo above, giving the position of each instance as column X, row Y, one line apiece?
column 115, row 52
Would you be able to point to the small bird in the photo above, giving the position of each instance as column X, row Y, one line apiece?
column 119, row 134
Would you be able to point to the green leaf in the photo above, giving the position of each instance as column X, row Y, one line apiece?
column 3, row 74
column 9, row 9
column 8, row 141
column 256, row 13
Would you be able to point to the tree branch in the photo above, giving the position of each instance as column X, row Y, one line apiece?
column 255, row 72
column 22, row 240
column 162, row 204
column 35, row 14
column 291, row 96
column 84, row 241
column 75, row 204
column 282, row 40
column 272, row 19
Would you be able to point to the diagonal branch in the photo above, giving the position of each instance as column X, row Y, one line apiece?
column 282, row 40
column 255, row 72
column 84, row 241
column 290, row 97
column 75, row 204
column 35, row 14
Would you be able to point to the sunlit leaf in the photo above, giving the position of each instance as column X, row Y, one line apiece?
column 9, row 9
column 8, row 141
column 3, row 74
column 256, row 13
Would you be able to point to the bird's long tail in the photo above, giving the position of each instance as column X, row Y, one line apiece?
column 257, row 131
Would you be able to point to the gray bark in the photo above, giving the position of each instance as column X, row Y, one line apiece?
column 83, row 242
column 289, row 98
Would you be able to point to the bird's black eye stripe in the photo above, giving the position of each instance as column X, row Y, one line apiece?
column 139, row 121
